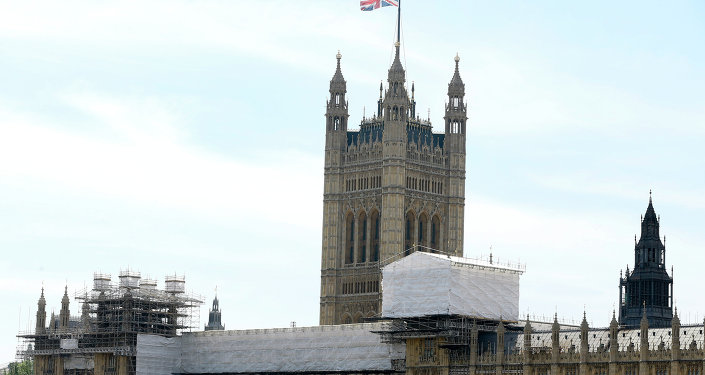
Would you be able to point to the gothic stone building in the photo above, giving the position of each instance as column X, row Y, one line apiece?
column 390, row 188
column 648, row 286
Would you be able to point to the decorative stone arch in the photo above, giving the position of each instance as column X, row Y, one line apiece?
column 357, row 318
column 371, row 314
column 349, row 239
column 346, row 318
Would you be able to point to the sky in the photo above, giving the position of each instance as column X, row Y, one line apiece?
column 187, row 137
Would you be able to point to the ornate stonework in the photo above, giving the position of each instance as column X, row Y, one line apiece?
column 390, row 188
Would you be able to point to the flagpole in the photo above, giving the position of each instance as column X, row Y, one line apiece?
column 399, row 21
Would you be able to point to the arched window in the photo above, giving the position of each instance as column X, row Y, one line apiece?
column 409, row 230
column 435, row 232
column 362, row 237
column 374, row 243
column 422, row 229
column 349, row 238
column 336, row 124
column 337, row 100
column 395, row 114
column 347, row 319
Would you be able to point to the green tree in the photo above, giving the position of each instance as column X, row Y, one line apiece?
column 25, row 367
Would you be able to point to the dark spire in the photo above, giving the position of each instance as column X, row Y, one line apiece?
column 214, row 317
column 649, row 270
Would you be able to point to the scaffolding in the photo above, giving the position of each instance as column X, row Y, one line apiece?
column 113, row 314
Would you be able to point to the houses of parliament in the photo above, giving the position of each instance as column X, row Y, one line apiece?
column 393, row 206
column 390, row 188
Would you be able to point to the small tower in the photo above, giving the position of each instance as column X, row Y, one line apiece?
column 214, row 323
column 676, row 336
column 40, row 327
column 648, row 286
column 64, row 315
column 455, row 130
column 584, row 339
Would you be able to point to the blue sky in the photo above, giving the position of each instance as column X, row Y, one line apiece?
column 180, row 136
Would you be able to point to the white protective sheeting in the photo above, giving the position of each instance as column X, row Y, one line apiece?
column 349, row 347
column 157, row 355
column 422, row 284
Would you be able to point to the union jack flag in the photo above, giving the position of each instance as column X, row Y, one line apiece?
column 375, row 4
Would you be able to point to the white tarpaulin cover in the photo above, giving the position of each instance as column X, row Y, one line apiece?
column 157, row 355
column 423, row 284
column 348, row 347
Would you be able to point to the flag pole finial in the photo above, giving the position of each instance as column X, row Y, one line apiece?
column 398, row 23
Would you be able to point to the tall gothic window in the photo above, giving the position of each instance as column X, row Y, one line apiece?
column 409, row 235
column 374, row 246
column 349, row 238
column 362, row 238
column 435, row 232
column 423, row 227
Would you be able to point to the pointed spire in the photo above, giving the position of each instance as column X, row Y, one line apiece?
column 42, row 301
column 64, row 314
column 456, row 81
column 644, row 319
column 380, row 89
column 412, row 90
column 613, row 322
column 338, row 76
column 396, row 71
column 527, row 326
column 584, row 324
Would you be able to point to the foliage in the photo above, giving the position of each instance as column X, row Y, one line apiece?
column 21, row 368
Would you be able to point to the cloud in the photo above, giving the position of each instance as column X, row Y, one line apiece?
column 149, row 160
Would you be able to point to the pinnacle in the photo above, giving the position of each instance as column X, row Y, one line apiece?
column 456, row 81
column 338, row 76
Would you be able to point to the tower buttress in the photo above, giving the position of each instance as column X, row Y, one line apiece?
column 394, row 140
column 455, row 130
column 336, row 144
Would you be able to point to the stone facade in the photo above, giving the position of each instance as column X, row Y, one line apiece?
column 390, row 188
column 447, row 346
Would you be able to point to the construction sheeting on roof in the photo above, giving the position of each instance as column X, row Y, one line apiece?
column 349, row 347
column 423, row 284
column 157, row 355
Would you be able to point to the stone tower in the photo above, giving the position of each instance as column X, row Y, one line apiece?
column 391, row 187
column 214, row 323
column 64, row 314
column 647, row 289
column 41, row 322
